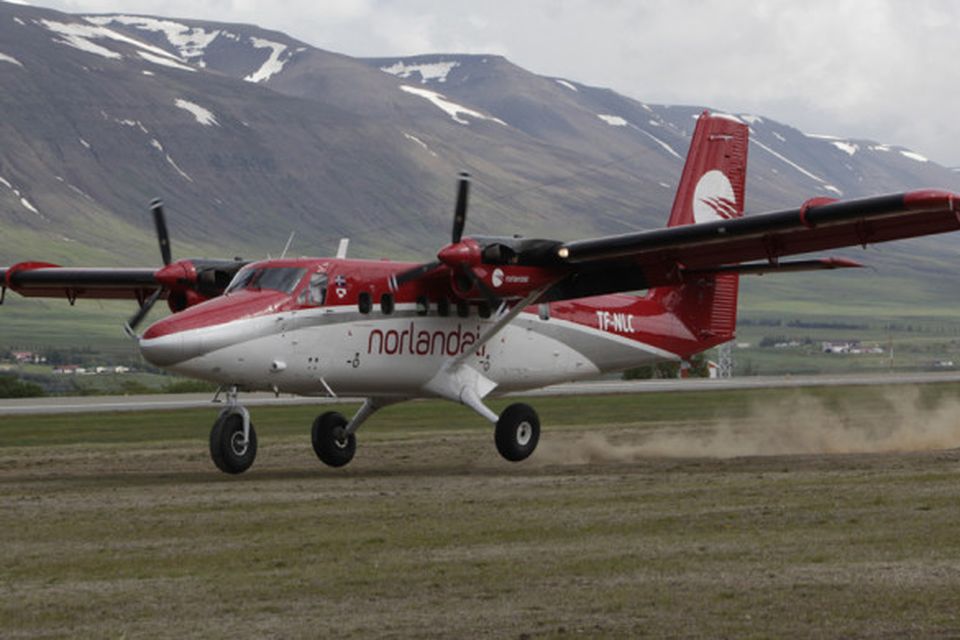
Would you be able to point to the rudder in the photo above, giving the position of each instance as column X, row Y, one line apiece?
column 711, row 188
column 714, row 176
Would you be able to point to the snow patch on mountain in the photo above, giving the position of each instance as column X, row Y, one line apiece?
column 273, row 65
column 788, row 162
column 29, row 205
column 613, row 121
column 203, row 116
column 848, row 148
column 164, row 62
column 136, row 124
column 5, row 58
column 420, row 143
column 429, row 72
column 23, row 199
column 914, row 156
column 183, row 174
column 452, row 109
column 190, row 42
column 80, row 36
column 660, row 142
column 566, row 84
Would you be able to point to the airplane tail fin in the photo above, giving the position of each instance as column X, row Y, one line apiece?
column 714, row 176
column 711, row 188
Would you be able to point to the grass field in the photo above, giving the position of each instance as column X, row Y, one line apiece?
column 823, row 513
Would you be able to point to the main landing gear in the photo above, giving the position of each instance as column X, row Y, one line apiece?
column 233, row 440
column 517, row 432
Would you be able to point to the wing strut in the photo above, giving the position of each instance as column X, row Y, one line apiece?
column 459, row 382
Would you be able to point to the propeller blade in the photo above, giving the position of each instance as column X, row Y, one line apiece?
column 159, row 221
column 131, row 325
column 460, row 213
column 484, row 289
column 398, row 280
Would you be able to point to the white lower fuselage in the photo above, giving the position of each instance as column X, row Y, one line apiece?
column 338, row 350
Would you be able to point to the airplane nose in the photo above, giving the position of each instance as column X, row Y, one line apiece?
column 164, row 351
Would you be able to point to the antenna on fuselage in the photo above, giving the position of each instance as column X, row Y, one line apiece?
column 342, row 249
column 287, row 246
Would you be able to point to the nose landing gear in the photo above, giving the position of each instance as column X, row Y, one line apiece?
column 233, row 440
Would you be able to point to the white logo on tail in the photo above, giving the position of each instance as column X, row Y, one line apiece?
column 713, row 199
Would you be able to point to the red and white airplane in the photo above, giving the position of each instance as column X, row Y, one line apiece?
column 490, row 314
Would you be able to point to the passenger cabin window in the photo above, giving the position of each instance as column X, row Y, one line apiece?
column 283, row 279
column 386, row 303
column 364, row 303
column 443, row 307
column 423, row 306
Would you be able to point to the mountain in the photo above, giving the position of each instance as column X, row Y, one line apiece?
column 249, row 135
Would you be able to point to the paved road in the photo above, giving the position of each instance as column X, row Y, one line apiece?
column 93, row 404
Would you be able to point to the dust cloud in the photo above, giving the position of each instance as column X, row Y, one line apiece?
column 797, row 424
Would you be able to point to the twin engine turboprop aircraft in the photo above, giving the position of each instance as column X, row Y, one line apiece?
column 490, row 314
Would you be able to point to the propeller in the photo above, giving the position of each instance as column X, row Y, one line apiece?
column 460, row 213
column 455, row 255
column 160, row 223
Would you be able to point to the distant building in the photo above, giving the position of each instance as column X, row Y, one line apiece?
column 28, row 357
column 851, row 348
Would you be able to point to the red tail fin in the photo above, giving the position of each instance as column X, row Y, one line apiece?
column 712, row 184
column 711, row 188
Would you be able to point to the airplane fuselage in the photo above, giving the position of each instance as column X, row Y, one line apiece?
column 270, row 340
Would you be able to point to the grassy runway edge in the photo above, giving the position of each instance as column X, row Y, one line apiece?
column 117, row 525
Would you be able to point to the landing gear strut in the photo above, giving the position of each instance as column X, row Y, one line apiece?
column 233, row 440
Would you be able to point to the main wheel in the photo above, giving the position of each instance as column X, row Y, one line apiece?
column 517, row 432
column 331, row 442
column 230, row 452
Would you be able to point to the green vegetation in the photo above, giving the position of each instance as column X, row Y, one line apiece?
column 13, row 387
column 118, row 526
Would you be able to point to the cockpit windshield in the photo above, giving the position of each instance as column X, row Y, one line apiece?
column 276, row 278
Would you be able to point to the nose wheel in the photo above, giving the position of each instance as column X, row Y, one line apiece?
column 232, row 451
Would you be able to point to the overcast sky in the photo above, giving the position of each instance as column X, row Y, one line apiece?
column 881, row 69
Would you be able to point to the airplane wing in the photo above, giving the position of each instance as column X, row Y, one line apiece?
column 42, row 279
column 664, row 256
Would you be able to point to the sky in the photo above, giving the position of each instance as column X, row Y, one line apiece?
column 886, row 70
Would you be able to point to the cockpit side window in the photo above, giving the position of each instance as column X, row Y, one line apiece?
column 283, row 279
column 317, row 289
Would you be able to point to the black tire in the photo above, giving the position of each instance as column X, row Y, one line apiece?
column 229, row 452
column 517, row 432
column 330, row 442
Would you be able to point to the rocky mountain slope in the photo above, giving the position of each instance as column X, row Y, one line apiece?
column 250, row 135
